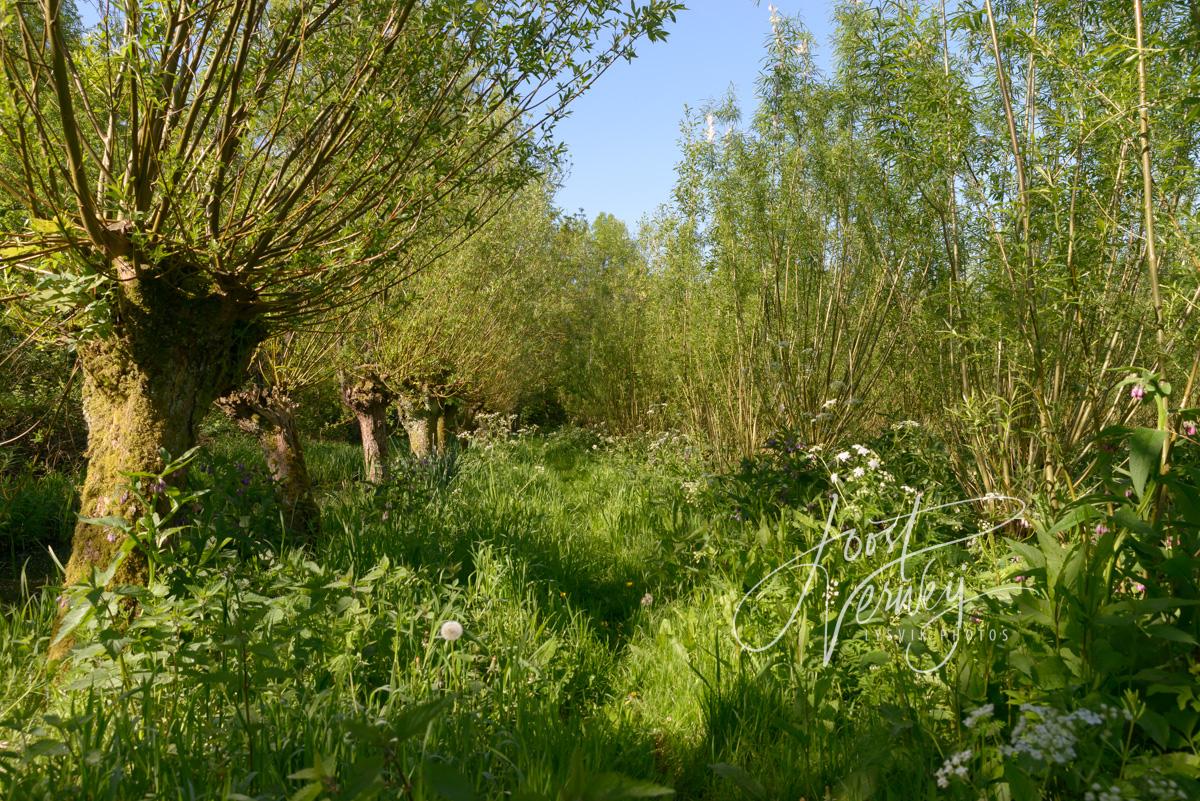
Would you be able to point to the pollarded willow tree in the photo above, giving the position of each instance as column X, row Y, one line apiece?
column 475, row 330
column 265, row 406
column 199, row 173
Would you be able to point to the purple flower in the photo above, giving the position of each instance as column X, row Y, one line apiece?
column 1101, row 530
column 1128, row 493
column 111, row 537
column 158, row 487
column 1137, row 392
column 62, row 601
column 245, row 481
column 1189, row 428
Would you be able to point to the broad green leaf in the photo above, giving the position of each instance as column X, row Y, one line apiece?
column 1145, row 456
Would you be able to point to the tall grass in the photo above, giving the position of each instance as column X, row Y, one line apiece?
column 595, row 579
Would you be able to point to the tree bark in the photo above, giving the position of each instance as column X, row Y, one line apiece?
column 368, row 397
column 268, row 414
column 421, row 415
column 148, row 382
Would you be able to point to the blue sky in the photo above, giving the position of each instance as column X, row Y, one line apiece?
column 623, row 135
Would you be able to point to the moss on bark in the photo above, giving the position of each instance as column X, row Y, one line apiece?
column 148, row 381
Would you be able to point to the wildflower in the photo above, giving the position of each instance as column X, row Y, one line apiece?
column 1137, row 392
column 978, row 714
column 860, row 450
column 62, row 601
column 647, row 600
column 956, row 765
column 1101, row 530
column 829, row 403
column 835, row 478
column 858, row 472
column 1048, row 735
column 843, row 456
column 873, row 464
column 451, row 630
column 907, row 490
column 1189, row 428
column 1139, row 588
column 1019, row 579
column 629, row 584
column 111, row 537
column 158, row 487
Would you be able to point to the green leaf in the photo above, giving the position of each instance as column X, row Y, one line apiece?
column 416, row 719
column 749, row 785
column 79, row 613
column 308, row 792
column 1145, row 455
column 448, row 782
column 1168, row 632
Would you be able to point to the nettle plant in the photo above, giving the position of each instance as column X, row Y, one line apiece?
column 1094, row 690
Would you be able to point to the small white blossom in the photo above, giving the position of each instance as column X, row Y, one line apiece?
column 975, row 715
column 955, row 766
column 843, row 456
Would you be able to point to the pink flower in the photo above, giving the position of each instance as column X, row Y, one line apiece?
column 1137, row 392
column 1140, row 588
column 110, row 537
column 1019, row 579
column 1101, row 530
column 1189, row 428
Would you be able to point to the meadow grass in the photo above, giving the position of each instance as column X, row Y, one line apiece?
column 595, row 581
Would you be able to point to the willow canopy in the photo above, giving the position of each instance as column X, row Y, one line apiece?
column 193, row 174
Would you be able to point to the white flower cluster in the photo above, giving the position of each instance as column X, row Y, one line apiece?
column 1098, row 793
column 869, row 463
column 976, row 715
column 1049, row 735
column 1165, row 789
column 956, row 765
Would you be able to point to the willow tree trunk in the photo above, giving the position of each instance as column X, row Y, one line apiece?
column 421, row 414
column 269, row 414
column 368, row 397
column 147, row 383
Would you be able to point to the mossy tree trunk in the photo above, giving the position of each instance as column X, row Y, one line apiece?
column 447, row 424
column 368, row 397
column 148, row 381
column 268, row 414
column 421, row 414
